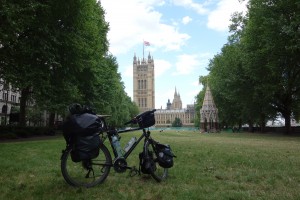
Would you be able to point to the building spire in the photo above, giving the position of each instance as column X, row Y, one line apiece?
column 208, row 102
column 134, row 59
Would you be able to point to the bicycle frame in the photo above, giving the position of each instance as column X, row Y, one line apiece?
column 145, row 134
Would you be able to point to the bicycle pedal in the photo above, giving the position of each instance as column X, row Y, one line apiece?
column 133, row 171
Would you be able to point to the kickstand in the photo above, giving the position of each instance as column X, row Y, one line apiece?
column 88, row 174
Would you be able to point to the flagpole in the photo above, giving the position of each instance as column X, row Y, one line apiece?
column 143, row 49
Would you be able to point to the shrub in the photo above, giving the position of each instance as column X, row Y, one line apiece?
column 13, row 132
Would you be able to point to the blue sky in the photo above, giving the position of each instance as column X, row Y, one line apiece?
column 183, row 34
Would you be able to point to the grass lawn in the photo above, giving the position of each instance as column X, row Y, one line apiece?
column 208, row 166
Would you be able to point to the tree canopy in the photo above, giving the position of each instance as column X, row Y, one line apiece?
column 256, row 76
column 56, row 52
column 177, row 122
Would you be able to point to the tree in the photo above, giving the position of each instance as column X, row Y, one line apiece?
column 20, row 51
column 177, row 122
column 81, row 46
column 257, row 73
column 272, row 51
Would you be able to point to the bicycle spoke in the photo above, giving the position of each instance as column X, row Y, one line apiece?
column 86, row 173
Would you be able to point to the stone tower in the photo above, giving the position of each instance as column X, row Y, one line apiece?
column 168, row 105
column 209, row 121
column 177, row 103
column 143, row 83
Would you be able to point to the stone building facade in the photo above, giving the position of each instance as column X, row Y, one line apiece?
column 9, row 98
column 165, row 117
column 143, row 83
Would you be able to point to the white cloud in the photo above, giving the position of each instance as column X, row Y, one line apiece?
column 133, row 21
column 199, row 8
column 161, row 66
column 186, row 64
column 186, row 20
column 219, row 19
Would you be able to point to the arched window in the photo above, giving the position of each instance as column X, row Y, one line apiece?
column 4, row 109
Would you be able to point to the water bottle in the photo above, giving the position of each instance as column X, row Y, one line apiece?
column 117, row 146
column 129, row 144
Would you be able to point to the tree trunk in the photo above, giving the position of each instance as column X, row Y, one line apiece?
column 24, row 97
column 262, row 123
column 287, row 119
column 51, row 120
column 251, row 126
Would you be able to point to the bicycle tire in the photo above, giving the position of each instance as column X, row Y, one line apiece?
column 157, row 172
column 86, row 173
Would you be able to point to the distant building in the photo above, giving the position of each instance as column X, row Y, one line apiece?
column 9, row 97
column 165, row 117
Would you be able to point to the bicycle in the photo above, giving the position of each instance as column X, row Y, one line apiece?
column 91, row 172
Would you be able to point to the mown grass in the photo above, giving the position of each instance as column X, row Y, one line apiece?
column 208, row 166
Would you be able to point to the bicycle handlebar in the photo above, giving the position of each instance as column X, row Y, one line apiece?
column 135, row 119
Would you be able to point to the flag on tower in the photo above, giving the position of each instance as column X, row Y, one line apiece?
column 146, row 43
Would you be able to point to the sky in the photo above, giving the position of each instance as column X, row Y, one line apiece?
column 184, row 35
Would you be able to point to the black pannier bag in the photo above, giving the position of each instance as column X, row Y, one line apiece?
column 85, row 124
column 146, row 119
column 85, row 148
column 80, row 131
column 164, row 155
column 147, row 164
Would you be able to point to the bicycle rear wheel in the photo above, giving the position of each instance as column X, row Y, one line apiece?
column 87, row 173
column 157, row 172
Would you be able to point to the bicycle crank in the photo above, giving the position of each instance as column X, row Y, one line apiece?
column 120, row 165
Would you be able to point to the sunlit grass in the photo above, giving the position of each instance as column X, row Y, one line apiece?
column 208, row 166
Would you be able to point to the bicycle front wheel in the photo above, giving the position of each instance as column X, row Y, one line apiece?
column 87, row 173
column 157, row 172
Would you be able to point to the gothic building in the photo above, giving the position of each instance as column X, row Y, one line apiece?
column 165, row 117
column 143, row 83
